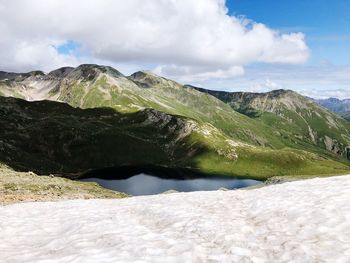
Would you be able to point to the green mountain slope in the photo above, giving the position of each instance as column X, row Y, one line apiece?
column 296, row 118
column 234, row 135
column 50, row 137
column 89, row 86
column 55, row 137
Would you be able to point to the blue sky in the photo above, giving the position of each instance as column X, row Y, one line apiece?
column 68, row 47
column 326, row 23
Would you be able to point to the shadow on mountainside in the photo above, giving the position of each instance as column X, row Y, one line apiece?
column 50, row 137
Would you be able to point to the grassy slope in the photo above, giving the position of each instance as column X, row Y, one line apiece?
column 128, row 95
column 300, row 122
column 91, row 86
column 168, row 96
column 49, row 137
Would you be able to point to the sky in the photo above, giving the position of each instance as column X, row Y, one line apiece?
column 326, row 25
column 233, row 45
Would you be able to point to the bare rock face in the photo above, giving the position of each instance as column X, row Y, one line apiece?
column 334, row 146
column 347, row 152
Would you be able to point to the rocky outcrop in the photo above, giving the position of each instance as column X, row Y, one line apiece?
column 347, row 152
column 334, row 146
column 89, row 72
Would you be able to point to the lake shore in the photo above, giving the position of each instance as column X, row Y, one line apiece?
column 17, row 187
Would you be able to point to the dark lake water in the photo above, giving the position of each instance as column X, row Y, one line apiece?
column 143, row 184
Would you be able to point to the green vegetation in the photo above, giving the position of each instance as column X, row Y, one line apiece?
column 300, row 122
column 50, row 137
column 260, row 163
column 144, row 119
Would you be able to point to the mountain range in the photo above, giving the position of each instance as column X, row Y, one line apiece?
column 341, row 107
column 335, row 105
column 292, row 115
column 73, row 120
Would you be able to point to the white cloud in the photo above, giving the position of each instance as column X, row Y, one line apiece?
column 193, row 37
column 264, row 86
column 195, row 73
column 34, row 55
column 322, row 81
column 327, row 93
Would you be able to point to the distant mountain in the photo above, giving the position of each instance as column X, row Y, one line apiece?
column 335, row 105
column 346, row 115
column 237, row 134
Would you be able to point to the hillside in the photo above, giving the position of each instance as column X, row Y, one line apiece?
column 130, row 117
column 50, row 137
column 90, row 86
column 294, row 116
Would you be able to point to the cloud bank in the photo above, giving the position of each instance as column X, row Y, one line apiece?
column 318, row 81
column 186, row 39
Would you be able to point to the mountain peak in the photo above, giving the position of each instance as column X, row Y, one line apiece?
column 144, row 73
column 91, row 71
column 101, row 68
column 61, row 72
column 35, row 73
column 146, row 78
column 280, row 92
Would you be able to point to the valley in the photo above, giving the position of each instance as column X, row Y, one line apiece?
column 143, row 119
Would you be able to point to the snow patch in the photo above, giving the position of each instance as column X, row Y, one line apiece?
column 303, row 221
